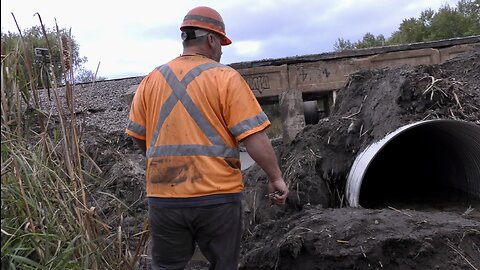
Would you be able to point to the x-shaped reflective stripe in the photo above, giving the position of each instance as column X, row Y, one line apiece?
column 179, row 93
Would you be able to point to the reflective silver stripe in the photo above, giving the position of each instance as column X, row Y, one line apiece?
column 164, row 112
column 179, row 93
column 248, row 124
column 166, row 108
column 137, row 128
column 193, row 150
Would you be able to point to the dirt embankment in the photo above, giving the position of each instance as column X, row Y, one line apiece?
column 314, row 232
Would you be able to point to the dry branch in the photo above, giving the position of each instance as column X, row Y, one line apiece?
column 402, row 212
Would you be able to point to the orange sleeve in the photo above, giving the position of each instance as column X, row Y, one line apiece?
column 243, row 113
column 137, row 116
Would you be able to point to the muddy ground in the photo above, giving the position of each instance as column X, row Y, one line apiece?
column 315, row 229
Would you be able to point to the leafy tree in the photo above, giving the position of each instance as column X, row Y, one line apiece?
column 62, row 44
column 342, row 45
column 471, row 14
column 448, row 22
column 369, row 40
column 412, row 29
column 456, row 22
column 470, row 9
column 84, row 75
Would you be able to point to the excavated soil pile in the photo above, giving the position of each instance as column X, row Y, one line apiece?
column 314, row 230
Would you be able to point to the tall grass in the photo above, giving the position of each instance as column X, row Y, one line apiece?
column 47, row 221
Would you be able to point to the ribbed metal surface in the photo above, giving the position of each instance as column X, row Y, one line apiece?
column 458, row 142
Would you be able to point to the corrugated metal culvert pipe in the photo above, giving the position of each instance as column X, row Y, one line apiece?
column 433, row 162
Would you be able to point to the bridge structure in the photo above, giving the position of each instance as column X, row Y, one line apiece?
column 305, row 86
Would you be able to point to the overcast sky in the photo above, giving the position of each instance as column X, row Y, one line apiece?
column 130, row 38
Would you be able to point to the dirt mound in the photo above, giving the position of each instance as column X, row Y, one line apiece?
column 373, row 104
column 305, row 235
column 348, row 238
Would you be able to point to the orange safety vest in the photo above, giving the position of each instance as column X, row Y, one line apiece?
column 192, row 112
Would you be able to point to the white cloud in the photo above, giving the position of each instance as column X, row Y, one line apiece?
column 133, row 57
column 247, row 47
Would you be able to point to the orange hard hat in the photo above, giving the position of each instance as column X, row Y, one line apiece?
column 208, row 19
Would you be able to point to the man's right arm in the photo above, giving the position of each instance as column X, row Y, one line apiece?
column 260, row 149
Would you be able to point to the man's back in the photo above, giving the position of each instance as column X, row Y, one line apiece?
column 195, row 112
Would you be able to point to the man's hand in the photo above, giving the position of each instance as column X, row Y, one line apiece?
column 278, row 191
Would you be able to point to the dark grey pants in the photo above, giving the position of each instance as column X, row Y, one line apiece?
column 216, row 229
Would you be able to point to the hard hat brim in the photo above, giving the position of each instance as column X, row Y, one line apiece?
column 225, row 41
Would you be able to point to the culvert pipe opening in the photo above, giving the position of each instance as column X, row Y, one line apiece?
column 427, row 163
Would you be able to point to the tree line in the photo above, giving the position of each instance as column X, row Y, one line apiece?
column 448, row 22
column 50, row 54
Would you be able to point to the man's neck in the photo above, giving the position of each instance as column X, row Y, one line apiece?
column 195, row 52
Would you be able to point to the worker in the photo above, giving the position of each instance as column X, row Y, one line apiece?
column 188, row 116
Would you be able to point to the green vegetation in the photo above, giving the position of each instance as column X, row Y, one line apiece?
column 448, row 22
column 44, row 47
column 48, row 219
